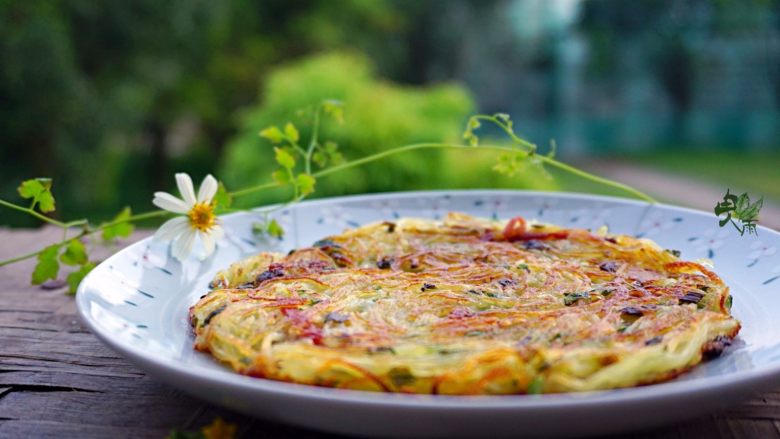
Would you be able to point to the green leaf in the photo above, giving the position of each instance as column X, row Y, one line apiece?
column 320, row 158
column 39, row 189
column 75, row 278
column 33, row 187
column 334, row 109
column 328, row 154
column 472, row 139
column 222, row 198
column 258, row 229
column 268, row 228
column 503, row 117
column 291, row 132
column 468, row 134
column 306, row 183
column 272, row 133
column 275, row 229
column 75, row 253
column 281, row 177
column 334, row 156
column 121, row 229
column 47, row 267
column 46, row 202
column 553, row 149
column 743, row 201
column 509, row 164
column 536, row 386
column 739, row 209
column 284, row 158
column 749, row 212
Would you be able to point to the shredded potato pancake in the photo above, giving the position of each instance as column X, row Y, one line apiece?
column 466, row 306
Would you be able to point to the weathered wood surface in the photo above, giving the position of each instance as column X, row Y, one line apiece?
column 58, row 380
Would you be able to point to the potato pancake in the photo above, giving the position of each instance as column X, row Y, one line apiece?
column 466, row 306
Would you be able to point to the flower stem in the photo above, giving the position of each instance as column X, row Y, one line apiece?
column 32, row 212
column 526, row 145
column 528, row 149
column 253, row 189
column 19, row 258
column 388, row 153
column 595, row 178
column 548, row 160
column 315, row 132
column 132, row 218
column 416, row 146
column 86, row 232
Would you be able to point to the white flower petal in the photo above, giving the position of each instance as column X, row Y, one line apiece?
column 168, row 202
column 208, row 245
column 207, row 189
column 182, row 246
column 171, row 229
column 217, row 232
column 187, row 191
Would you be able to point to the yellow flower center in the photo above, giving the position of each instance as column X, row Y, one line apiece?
column 202, row 217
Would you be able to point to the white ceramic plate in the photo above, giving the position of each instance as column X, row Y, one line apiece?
column 137, row 302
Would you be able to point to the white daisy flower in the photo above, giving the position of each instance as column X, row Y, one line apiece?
column 198, row 222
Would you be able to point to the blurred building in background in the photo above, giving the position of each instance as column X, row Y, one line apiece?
column 616, row 76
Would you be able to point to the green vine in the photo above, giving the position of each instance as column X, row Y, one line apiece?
column 296, row 170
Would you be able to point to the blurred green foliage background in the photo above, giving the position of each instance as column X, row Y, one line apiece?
column 379, row 115
column 110, row 98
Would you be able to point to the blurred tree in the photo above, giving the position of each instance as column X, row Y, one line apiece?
column 110, row 97
column 379, row 115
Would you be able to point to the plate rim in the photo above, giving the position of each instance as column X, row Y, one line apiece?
column 658, row 391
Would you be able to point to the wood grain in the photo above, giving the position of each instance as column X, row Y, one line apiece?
column 57, row 380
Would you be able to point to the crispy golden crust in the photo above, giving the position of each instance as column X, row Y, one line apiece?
column 466, row 306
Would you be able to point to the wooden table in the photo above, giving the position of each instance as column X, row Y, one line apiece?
column 58, row 380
